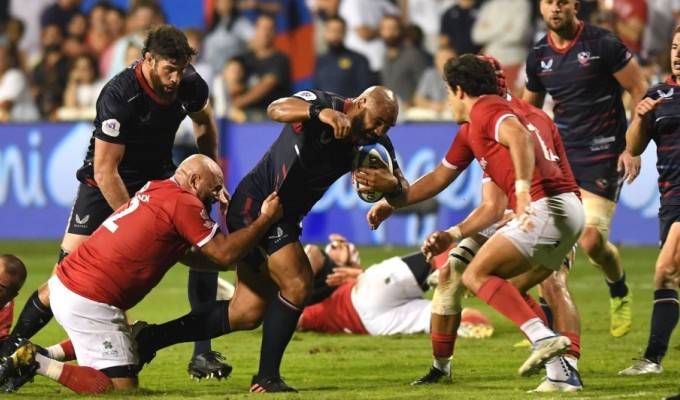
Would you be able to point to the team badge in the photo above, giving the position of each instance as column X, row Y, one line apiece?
column 111, row 127
column 584, row 58
column 305, row 94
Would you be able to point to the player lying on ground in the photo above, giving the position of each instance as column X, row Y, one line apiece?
column 384, row 299
column 119, row 265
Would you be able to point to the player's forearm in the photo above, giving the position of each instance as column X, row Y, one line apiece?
column 429, row 185
column 289, row 109
column 206, row 139
column 234, row 247
column 482, row 217
column 112, row 188
column 636, row 137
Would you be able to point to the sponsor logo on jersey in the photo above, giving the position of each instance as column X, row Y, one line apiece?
column 111, row 127
column 547, row 65
column 305, row 94
column 145, row 119
column 667, row 94
column 82, row 221
column 583, row 58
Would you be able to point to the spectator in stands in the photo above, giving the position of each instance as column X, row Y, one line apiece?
column 655, row 56
column 51, row 74
column 505, row 36
column 82, row 90
column 144, row 15
column 631, row 18
column 456, row 27
column 341, row 70
column 322, row 11
column 16, row 103
column 403, row 65
column 60, row 13
column 14, row 32
column 267, row 72
column 228, row 37
column 29, row 12
column 415, row 37
column 115, row 27
column 363, row 22
column 431, row 98
column 226, row 85
column 427, row 15
column 76, row 33
column 98, row 37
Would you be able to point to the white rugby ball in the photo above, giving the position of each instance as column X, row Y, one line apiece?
column 368, row 156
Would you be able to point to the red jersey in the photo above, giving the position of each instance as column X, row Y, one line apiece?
column 132, row 250
column 552, row 175
column 336, row 314
column 6, row 318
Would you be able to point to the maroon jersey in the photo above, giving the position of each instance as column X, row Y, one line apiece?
column 6, row 317
column 552, row 175
column 132, row 250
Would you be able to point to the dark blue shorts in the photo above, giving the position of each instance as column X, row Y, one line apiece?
column 601, row 178
column 668, row 215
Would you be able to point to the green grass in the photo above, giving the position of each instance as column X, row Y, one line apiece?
column 351, row 367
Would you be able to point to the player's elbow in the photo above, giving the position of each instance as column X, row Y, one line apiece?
column 275, row 110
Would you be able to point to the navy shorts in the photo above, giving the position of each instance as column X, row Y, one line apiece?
column 668, row 215
column 244, row 208
column 601, row 178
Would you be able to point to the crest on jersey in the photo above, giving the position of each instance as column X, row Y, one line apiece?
column 111, row 127
column 583, row 58
column 547, row 65
column 667, row 94
column 305, row 94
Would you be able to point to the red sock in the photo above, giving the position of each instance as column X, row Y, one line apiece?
column 575, row 348
column 536, row 308
column 84, row 380
column 69, row 352
column 505, row 299
column 442, row 344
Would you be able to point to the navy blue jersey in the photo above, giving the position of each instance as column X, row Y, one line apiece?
column 306, row 159
column 130, row 113
column 588, row 108
column 663, row 127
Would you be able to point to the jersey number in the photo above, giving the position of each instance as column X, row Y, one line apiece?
column 547, row 153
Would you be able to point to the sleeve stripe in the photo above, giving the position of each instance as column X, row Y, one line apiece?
column 207, row 238
column 498, row 124
column 448, row 164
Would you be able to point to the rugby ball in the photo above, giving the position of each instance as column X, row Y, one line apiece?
column 369, row 156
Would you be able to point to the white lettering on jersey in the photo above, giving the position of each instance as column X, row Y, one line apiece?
column 307, row 95
column 111, row 127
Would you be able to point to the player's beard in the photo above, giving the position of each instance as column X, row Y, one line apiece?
column 159, row 88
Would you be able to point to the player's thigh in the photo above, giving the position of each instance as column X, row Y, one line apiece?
column 120, row 384
column 667, row 274
column 254, row 291
column 599, row 212
column 289, row 267
column 99, row 332
column 499, row 257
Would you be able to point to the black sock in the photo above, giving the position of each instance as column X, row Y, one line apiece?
column 618, row 288
column 546, row 310
column 207, row 321
column 664, row 319
column 32, row 319
column 202, row 289
column 278, row 327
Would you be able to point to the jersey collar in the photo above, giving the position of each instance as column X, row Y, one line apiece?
column 672, row 80
column 145, row 85
column 571, row 43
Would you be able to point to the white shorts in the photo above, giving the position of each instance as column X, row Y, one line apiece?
column 558, row 223
column 388, row 300
column 99, row 332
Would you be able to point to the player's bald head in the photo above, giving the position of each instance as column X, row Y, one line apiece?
column 12, row 277
column 383, row 101
column 198, row 164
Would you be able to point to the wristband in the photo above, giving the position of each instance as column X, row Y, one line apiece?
column 455, row 233
column 522, row 186
column 396, row 192
column 315, row 110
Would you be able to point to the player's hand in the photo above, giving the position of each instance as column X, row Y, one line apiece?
column 435, row 243
column 647, row 105
column 340, row 122
column 628, row 166
column 224, row 198
column 380, row 178
column 342, row 275
column 507, row 217
column 524, row 210
column 272, row 207
column 378, row 213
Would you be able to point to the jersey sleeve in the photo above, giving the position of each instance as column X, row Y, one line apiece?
column 616, row 55
column 114, row 117
column 192, row 221
column 489, row 114
column 533, row 83
column 460, row 155
column 199, row 92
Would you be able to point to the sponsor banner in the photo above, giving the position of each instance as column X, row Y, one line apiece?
column 38, row 184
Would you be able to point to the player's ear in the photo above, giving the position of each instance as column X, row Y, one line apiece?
column 577, row 5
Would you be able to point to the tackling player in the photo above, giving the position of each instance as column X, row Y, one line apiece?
column 124, row 259
column 138, row 113
column 584, row 67
column 659, row 120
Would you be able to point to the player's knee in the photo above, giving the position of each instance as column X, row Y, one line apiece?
column 297, row 289
column 667, row 274
column 553, row 286
column 592, row 242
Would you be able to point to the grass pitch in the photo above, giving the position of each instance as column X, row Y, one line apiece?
column 356, row 367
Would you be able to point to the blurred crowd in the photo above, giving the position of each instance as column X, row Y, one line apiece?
column 55, row 56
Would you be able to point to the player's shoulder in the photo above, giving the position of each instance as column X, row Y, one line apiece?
column 665, row 89
column 327, row 99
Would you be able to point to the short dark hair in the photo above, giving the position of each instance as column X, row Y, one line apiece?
column 476, row 77
column 338, row 19
column 15, row 267
column 169, row 43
